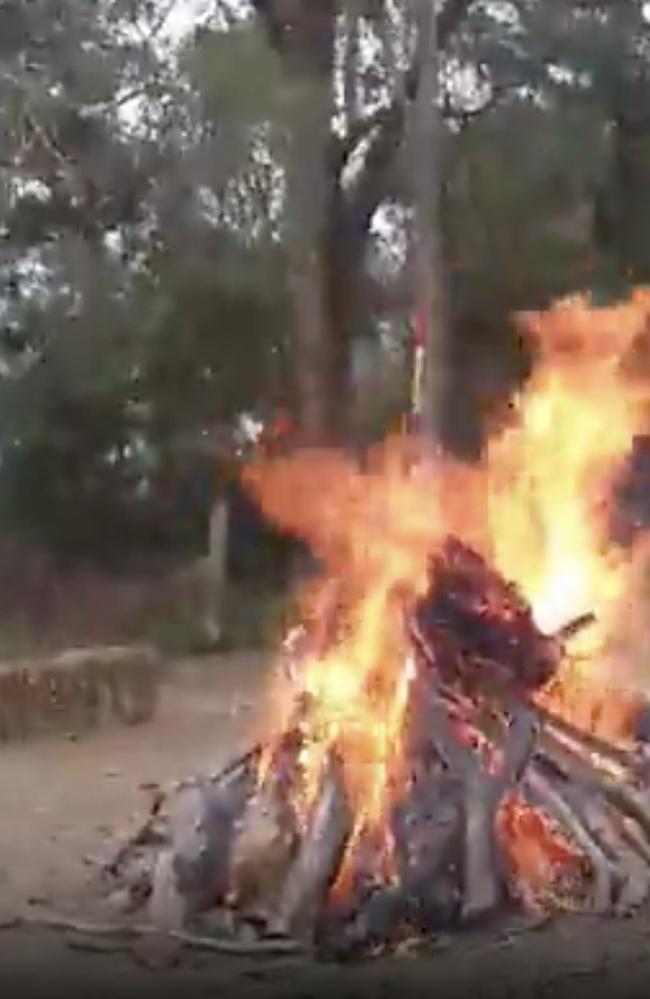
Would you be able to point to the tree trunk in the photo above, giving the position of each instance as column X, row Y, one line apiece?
column 427, row 176
column 215, row 572
column 632, row 157
column 308, row 51
column 329, row 219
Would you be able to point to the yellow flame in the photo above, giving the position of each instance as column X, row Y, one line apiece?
column 539, row 504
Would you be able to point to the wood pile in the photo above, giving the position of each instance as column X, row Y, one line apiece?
column 490, row 780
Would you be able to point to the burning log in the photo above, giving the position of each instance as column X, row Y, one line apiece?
column 482, row 799
column 266, row 838
column 318, row 858
column 472, row 742
column 543, row 793
column 430, row 861
column 192, row 872
column 573, row 628
column 425, row 890
column 587, row 743
column 632, row 876
column 607, row 817
column 477, row 630
column 262, row 849
column 625, row 797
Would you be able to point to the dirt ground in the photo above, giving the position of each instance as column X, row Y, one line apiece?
column 64, row 802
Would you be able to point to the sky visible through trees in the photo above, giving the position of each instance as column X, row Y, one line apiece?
column 207, row 211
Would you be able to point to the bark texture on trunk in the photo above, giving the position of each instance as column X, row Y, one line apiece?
column 306, row 208
column 330, row 217
column 427, row 181
column 304, row 35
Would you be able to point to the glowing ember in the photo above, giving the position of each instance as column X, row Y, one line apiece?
column 544, row 867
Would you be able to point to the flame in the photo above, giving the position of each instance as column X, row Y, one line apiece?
column 550, row 476
column 543, row 863
column 375, row 534
column 539, row 505
column 550, row 480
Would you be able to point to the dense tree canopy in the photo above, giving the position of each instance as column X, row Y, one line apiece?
column 193, row 229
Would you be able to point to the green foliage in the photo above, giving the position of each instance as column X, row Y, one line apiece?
column 238, row 75
column 520, row 205
column 144, row 283
column 133, row 320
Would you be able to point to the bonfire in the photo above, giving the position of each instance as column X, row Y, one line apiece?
column 457, row 721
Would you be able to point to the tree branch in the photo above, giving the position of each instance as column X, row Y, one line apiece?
column 387, row 117
column 370, row 188
column 359, row 130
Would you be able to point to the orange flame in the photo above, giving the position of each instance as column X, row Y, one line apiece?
column 543, row 863
column 550, row 476
column 539, row 504
column 550, row 479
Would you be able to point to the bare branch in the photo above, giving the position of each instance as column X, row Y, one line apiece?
column 350, row 60
column 391, row 117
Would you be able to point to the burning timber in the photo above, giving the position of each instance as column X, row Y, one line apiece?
column 496, row 801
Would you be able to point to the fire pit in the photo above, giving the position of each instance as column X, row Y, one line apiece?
column 446, row 737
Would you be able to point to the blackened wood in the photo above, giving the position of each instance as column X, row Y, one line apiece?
column 481, row 795
column 427, row 832
column 426, row 895
column 632, row 872
column 457, row 756
column 519, row 745
column 477, row 629
column 573, row 628
column 481, row 884
column 373, row 925
column 621, row 794
column 318, row 858
column 641, row 724
column 203, row 832
column 483, row 888
column 587, row 742
column 155, row 832
column 150, row 834
column 239, row 766
column 261, row 853
column 634, row 835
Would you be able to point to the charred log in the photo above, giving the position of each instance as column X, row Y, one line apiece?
column 477, row 630
column 478, row 755
column 318, row 859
